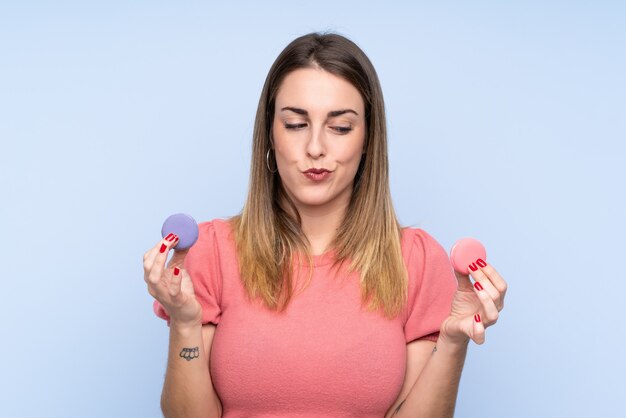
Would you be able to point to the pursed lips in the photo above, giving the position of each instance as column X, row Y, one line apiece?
column 317, row 170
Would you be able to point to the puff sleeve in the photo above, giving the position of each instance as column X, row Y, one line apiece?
column 202, row 265
column 432, row 285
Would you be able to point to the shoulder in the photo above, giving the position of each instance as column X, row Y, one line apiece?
column 217, row 223
column 431, row 282
column 215, row 229
column 216, row 240
column 426, row 260
column 418, row 243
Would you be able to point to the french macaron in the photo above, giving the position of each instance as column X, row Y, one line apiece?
column 466, row 251
column 182, row 225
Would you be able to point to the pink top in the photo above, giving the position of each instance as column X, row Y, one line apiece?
column 324, row 356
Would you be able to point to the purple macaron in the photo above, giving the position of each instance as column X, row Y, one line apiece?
column 184, row 226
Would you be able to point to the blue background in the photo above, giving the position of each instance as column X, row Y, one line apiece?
column 507, row 122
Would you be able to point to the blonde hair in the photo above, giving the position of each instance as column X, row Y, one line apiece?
column 268, row 236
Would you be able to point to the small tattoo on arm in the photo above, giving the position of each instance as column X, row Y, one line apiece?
column 190, row 353
column 398, row 408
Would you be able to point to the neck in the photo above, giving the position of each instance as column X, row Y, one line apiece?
column 321, row 222
column 320, row 226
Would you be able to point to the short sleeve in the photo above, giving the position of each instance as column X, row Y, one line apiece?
column 202, row 265
column 432, row 285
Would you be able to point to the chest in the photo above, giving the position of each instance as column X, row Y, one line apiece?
column 324, row 353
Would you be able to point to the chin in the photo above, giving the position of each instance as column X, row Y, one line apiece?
column 312, row 199
column 313, row 202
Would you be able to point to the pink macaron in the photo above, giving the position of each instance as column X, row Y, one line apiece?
column 465, row 252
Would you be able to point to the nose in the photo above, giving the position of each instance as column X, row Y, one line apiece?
column 315, row 147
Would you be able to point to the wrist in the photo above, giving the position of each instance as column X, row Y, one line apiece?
column 455, row 343
column 452, row 346
column 184, row 327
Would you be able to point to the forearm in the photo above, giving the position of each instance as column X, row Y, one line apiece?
column 188, row 390
column 434, row 393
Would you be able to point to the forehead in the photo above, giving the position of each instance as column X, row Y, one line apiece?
column 315, row 90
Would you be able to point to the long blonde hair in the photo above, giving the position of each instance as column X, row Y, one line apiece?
column 268, row 236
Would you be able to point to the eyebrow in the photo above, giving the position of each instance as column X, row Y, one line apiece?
column 331, row 114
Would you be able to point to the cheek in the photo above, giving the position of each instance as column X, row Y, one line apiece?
column 285, row 154
column 350, row 153
column 285, row 151
column 349, row 156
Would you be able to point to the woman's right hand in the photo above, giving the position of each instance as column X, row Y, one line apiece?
column 173, row 291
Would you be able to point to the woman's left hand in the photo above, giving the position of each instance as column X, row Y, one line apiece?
column 475, row 306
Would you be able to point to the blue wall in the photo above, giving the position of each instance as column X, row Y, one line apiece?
column 507, row 123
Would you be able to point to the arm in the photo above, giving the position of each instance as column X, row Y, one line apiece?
column 417, row 354
column 188, row 390
column 434, row 393
column 435, row 390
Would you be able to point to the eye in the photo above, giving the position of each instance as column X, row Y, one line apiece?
column 294, row 125
column 339, row 129
column 342, row 129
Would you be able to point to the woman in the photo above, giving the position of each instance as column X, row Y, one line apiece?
column 313, row 302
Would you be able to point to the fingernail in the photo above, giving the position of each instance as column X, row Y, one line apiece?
column 163, row 247
column 473, row 267
column 168, row 238
column 477, row 317
column 176, row 271
column 481, row 262
column 478, row 286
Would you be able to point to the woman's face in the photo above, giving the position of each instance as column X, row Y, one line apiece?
column 319, row 135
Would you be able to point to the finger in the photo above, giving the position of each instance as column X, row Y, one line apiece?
column 464, row 281
column 478, row 329
column 473, row 327
column 151, row 254
column 495, row 278
column 174, row 284
column 483, row 282
column 489, row 308
column 156, row 271
column 178, row 258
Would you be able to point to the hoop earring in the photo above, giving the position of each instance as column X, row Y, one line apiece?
column 267, row 162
